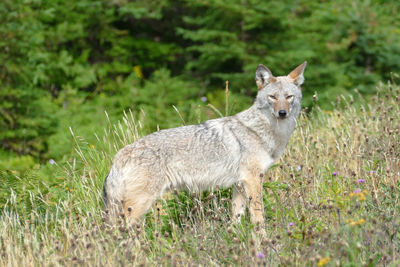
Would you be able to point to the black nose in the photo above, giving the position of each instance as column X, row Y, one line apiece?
column 282, row 113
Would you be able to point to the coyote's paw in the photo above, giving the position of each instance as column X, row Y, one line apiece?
column 237, row 218
column 261, row 233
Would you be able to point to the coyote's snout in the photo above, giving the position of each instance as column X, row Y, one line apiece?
column 230, row 151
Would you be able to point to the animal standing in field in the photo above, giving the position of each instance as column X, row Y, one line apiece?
column 229, row 151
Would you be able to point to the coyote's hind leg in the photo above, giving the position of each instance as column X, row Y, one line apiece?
column 238, row 202
column 139, row 196
column 136, row 205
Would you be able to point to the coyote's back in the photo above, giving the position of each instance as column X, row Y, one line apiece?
column 235, row 150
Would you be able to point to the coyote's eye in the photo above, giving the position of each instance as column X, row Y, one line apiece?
column 272, row 97
column 289, row 97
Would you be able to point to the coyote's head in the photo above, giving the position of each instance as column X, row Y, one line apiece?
column 279, row 96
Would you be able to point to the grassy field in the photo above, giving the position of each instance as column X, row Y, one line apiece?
column 331, row 200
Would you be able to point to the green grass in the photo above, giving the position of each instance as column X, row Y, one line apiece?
column 332, row 199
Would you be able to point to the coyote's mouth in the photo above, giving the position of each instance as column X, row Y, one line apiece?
column 280, row 117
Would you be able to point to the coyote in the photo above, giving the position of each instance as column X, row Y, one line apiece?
column 235, row 150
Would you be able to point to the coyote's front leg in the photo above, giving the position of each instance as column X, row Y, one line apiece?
column 253, row 182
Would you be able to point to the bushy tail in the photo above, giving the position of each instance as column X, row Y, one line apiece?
column 105, row 192
column 113, row 191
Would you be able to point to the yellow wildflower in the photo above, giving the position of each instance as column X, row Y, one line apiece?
column 138, row 71
column 359, row 194
column 352, row 223
column 323, row 261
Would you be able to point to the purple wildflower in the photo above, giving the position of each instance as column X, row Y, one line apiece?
column 334, row 173
column 358, row 190
column 360, row 180
column 291, row 224
column 260, row 255
column 204, row 99
column 52, row 161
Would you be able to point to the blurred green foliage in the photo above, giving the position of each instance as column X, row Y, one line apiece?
column 63, row 63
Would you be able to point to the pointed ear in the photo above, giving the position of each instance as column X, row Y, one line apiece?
column 297, row 74
column 263, row 76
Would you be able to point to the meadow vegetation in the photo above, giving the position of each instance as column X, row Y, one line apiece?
column 332, row 200
column 80, row 79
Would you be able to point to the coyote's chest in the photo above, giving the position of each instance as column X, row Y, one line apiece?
column 279, row 138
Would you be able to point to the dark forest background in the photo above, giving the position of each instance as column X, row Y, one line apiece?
column 64, row 63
